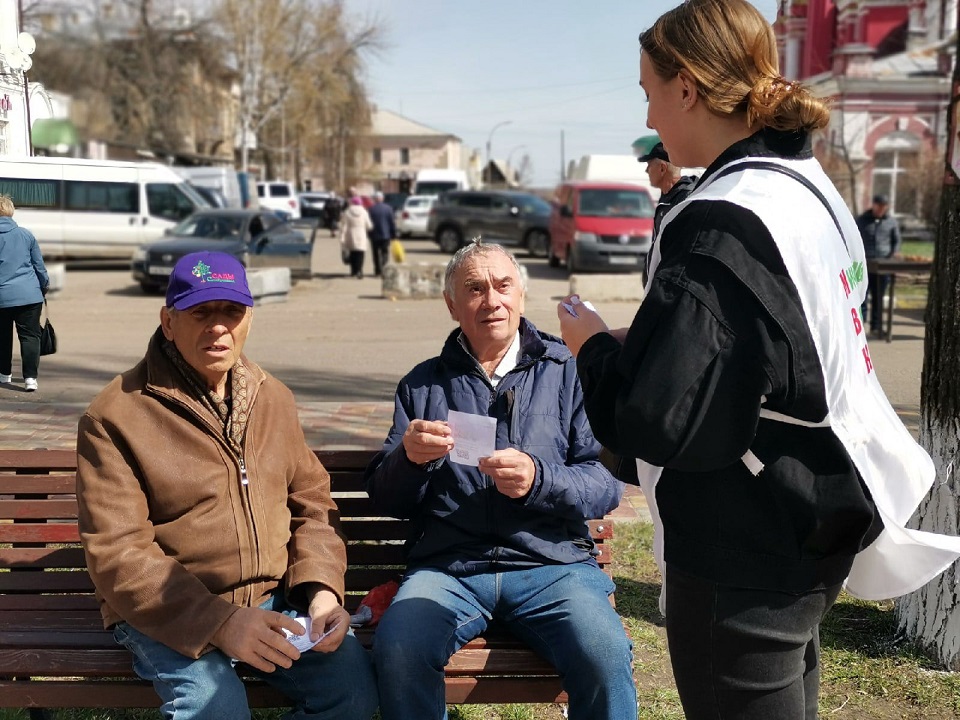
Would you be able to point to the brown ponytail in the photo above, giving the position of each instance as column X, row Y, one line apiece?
column 730, row 51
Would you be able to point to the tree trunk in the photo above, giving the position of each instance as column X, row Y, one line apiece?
column 931, row 615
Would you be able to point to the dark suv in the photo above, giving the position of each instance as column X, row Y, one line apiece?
column 501, row 216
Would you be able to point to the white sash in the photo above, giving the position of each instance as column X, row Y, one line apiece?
column 830, row 278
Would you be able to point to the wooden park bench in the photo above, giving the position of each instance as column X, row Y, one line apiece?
column 54, row 652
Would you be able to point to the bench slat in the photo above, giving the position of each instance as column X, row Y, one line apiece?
column 11, row 484
column 39, row 533
column 38, row 460
column 93, row 653
column 46, row 582
column 42, row 557
column 67, row 603
column 139, row 694
column 43, row 509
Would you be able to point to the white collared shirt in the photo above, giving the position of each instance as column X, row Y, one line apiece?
column 507, row 363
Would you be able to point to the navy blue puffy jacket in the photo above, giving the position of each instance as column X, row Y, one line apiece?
column 461, row 523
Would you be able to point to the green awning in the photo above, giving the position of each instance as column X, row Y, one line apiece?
column 643, row 145
column 53, row 132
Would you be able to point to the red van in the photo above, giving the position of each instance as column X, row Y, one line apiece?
column 600, row 225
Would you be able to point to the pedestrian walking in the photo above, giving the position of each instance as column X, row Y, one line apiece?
column 23, row 285
column 354, row 226
column 384, row 230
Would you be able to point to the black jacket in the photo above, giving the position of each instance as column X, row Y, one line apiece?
column 684, row 392
column 683, row 187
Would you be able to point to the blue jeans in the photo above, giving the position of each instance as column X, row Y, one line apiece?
column 744, row 653
column 561, row 611
column 333, row 686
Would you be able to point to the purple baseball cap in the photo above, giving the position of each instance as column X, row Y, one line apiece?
column 204, row 276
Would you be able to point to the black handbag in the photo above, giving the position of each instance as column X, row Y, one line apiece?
column 48, row 337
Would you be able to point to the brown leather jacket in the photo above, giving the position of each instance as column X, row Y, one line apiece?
column 174, row 541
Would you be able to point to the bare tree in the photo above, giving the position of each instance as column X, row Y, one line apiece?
column 141, row 75
column 931, row 615
column 299, row 63
column 839, row 160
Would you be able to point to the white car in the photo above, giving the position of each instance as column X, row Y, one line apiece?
column 279, row 196
column 412, row 218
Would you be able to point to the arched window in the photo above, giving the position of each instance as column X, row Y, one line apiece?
column 896, row 165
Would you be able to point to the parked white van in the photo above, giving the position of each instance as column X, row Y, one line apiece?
column 434, row 181
column 95, row 208
column 223, row 179
column 279, row 196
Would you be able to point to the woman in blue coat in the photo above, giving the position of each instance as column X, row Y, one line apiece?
column 23, row 284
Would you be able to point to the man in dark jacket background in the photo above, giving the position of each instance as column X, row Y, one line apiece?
column 881, row 239
column 673, row 187
column 506, row 536
column 384, row 230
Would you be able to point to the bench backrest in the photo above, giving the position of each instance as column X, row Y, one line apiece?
column 41, row 553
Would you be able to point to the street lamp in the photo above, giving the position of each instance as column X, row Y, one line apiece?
column 489, row 140
column 510, row 158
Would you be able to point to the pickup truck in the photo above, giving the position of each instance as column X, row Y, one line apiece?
column 498, row 216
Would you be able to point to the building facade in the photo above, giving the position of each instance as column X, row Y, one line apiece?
column 397, row 147
column 886, row 66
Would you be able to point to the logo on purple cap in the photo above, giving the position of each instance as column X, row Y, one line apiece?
column 202, row 271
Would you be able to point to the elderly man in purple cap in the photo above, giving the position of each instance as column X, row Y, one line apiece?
column 207, row 522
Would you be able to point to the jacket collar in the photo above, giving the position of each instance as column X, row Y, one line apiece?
column 163, row 378
column 534, row 345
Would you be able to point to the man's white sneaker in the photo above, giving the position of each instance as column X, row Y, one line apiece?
column 30, row 384
column 6, row 378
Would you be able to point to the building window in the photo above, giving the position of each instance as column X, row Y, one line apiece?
column 404, row 156
column 896, row 167
column 376, row 156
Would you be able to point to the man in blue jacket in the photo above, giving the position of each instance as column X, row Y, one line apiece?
column 384, row 230
column 506, row 539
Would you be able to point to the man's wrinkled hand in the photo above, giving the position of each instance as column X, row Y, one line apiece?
column 427, row 440
column 326, row 613
column 511, row 470
column 256, row 637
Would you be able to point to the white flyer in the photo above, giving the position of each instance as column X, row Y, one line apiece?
column 303, row 642
column 474, row 437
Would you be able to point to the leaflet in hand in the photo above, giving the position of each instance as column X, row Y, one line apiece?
column 569, row 306
column 303, row 642
column 474, row 437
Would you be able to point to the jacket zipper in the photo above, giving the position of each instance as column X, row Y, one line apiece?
column 244, row 484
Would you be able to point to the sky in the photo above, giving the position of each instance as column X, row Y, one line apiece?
column 517, row 73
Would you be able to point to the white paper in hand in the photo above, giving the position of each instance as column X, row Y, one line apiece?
column 474, row 437
column 303, row 642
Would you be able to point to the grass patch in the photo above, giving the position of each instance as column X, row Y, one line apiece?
column 917, row 248
column 867, row 673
